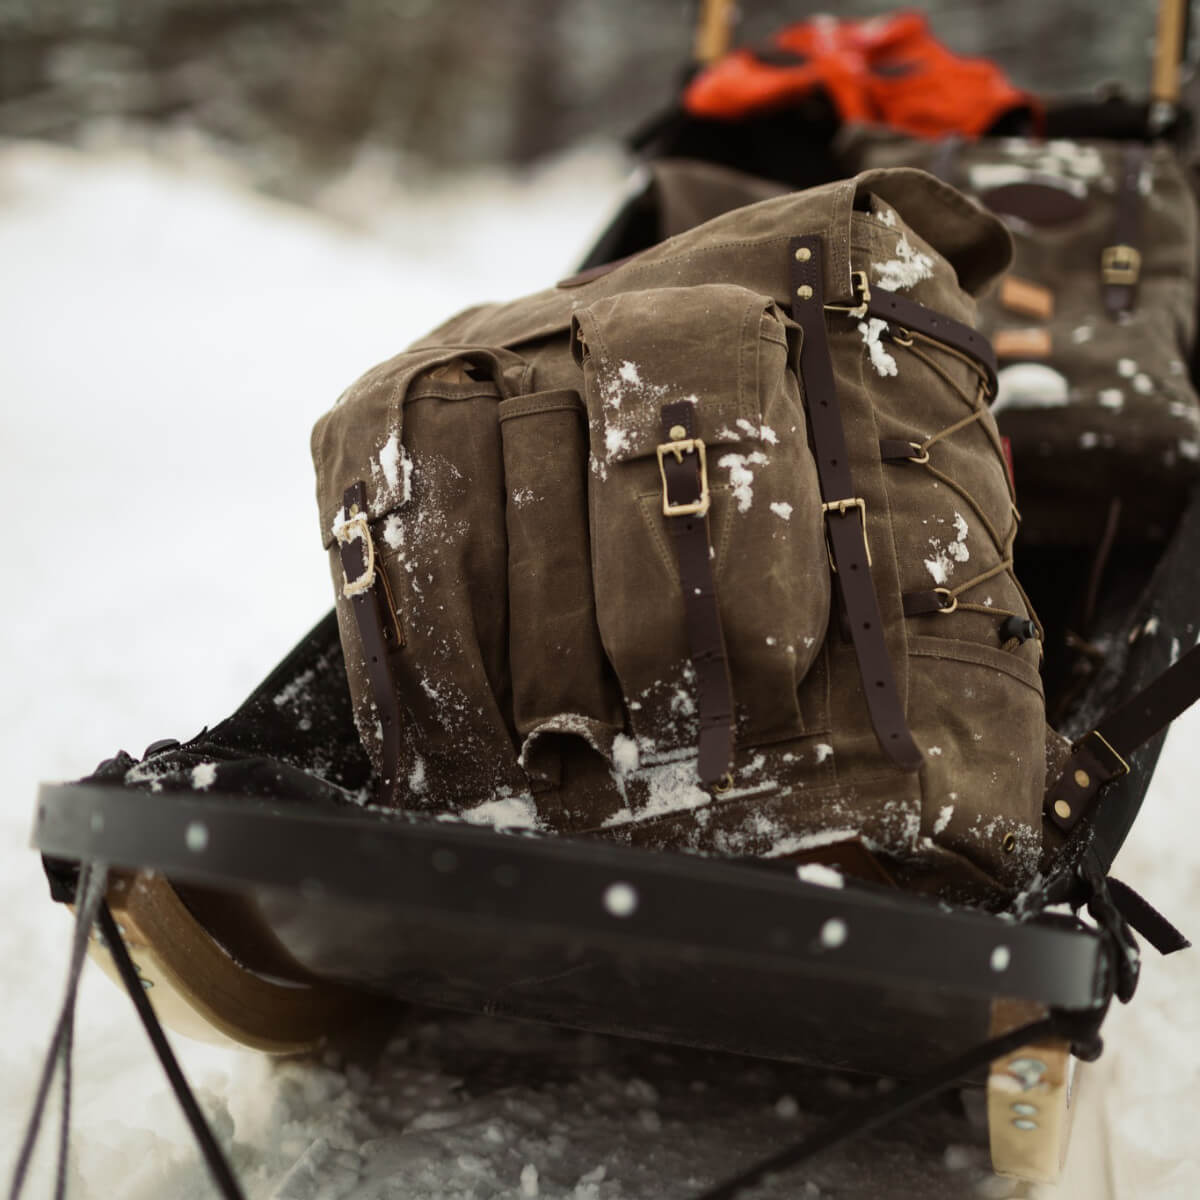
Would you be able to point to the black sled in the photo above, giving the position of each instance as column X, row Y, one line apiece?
column 263, row 904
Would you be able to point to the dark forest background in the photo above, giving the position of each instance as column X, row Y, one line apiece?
column 302, row 84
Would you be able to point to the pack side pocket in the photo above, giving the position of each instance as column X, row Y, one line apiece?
column 427, row 439
column 724, row 349
column 561, row 681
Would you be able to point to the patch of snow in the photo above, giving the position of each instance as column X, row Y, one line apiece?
column 741, row 478
column 1126, row 368
column 822, row 750
column 509, row 812
column 1111, row 398
column 820, row 874
column 944, row 815
column 947, row 553
column 906, row 270
column 625, row 755
column 782, row 510
column 204, row 775
column 1030, row 385
column 883, row 362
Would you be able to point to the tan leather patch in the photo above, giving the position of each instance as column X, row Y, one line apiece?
column 1028, row 299
column 1022, row 343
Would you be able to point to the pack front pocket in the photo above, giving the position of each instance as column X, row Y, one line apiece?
column 561, row 680
column 725, row 350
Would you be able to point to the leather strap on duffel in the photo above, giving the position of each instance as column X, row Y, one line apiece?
column 845, row 513
column 1121, row 262
column 681, row 459
column 368, row 592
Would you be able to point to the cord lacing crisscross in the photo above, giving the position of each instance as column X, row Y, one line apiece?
column 1003, row 542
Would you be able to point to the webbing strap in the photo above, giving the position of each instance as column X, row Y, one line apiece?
column 845, row 513
column 881, row 1109
column 1102, row 755
column 685, row 508
column 367, row 590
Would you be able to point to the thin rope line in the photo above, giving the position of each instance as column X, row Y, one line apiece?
column 89, row 893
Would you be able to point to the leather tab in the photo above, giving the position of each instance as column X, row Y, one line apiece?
column 896, row 450
column 936, row 600
column 1026, row 297
column 366, row 589
column 685, row 509
column 845, row 514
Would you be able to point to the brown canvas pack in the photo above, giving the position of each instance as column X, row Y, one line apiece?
column 1094, row 328
column 600, row 563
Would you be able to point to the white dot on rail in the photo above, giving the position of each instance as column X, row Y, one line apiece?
column 621, row 899
column 833, row 933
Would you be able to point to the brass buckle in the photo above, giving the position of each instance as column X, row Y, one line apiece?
column 1120, row 765
column 1120, row 264
column 863, row 289
column 347, row 531
column 840, row 507
column 679, row 449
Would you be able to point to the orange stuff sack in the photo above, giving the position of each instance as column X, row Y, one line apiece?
column 884, row 70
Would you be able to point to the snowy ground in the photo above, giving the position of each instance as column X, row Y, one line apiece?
column 168, row 339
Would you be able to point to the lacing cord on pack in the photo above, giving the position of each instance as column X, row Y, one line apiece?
column 91, row 909
column 879, row 1110
column 946, row 600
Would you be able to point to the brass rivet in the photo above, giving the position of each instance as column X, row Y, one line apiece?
column 1010, row 843
column 1062, row 809
column 804, row 292
column 803, row 254
column 677, row 433
column 1082, row 779
column 723, row 784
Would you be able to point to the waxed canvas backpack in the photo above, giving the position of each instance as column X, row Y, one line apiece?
column 709, row 550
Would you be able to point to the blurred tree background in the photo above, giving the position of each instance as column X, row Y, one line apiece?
column 300, row 86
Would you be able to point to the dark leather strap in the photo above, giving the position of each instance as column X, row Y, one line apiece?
column 1146, row 919
column 845, row 513
column 367, row 590
column 937, row 600
column 685, row 486
column 902, row 313
column 1102, row 755
column 896, row 450
column 1120, row 265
